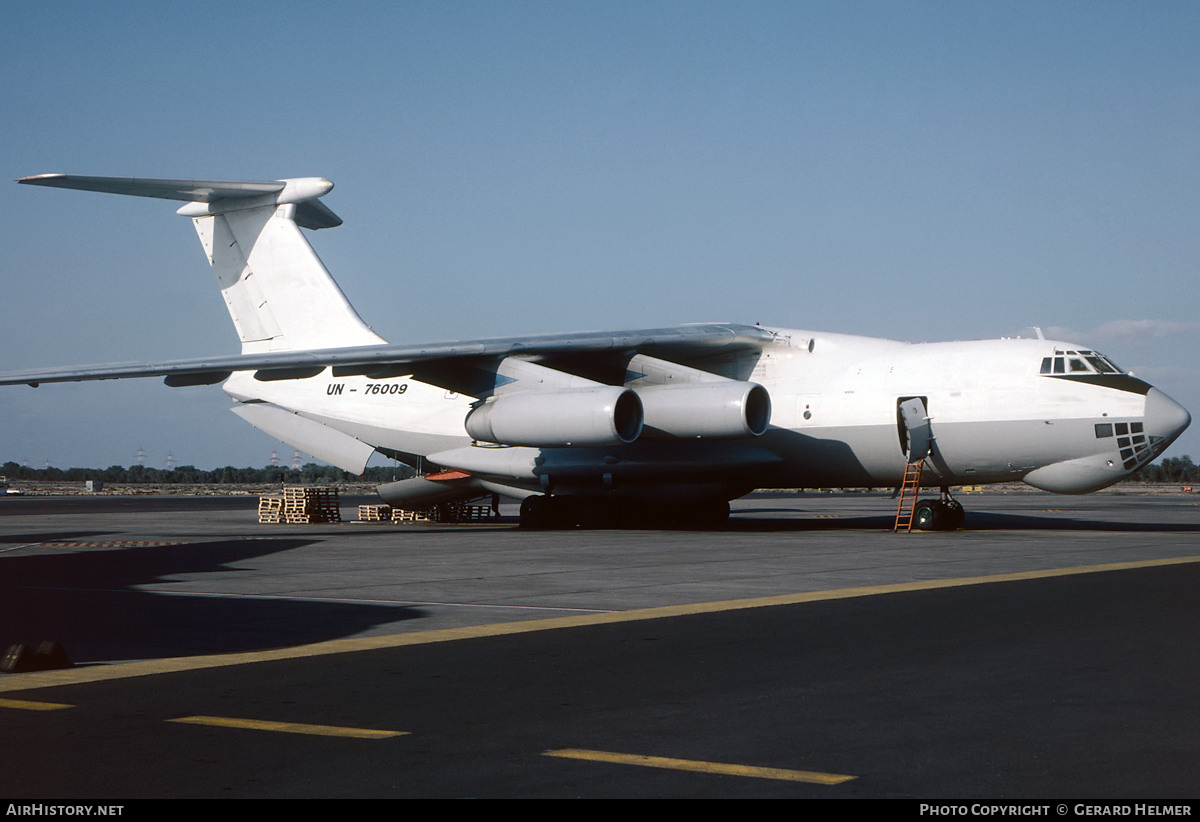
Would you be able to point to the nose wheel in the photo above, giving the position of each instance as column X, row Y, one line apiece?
column 944, row 514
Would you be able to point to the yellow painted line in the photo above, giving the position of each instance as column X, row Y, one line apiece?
column 722, row 768
column 288, row 727
column 25, row 705
column 150, row 667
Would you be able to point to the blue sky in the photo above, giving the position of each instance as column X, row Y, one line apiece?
column 915, row 170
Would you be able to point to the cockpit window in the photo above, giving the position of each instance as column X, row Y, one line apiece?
column 1078, row 362
column 1102, row 365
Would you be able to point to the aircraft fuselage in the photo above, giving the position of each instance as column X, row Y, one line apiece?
column 994, row 414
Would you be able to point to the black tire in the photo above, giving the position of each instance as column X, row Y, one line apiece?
column 710, row 515
column 954, row 514
column 539, row 513
column 928, row 515
column 531, row 512
column 596, row 513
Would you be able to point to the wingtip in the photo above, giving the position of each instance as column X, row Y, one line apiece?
column 37, row 178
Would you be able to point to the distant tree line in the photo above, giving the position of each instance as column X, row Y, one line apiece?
column 1172, row 469
column 310, row 474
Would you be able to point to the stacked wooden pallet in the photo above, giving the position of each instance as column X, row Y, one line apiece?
column 449, row 512
column 406, row 517
column 306, row 505
column 300, row 505
column 270, row 510
column 464, row 512
column 374, row 513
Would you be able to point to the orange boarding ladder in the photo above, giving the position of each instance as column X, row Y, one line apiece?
column 910, row 487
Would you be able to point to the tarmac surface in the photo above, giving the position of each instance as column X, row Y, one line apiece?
column 1047, row 649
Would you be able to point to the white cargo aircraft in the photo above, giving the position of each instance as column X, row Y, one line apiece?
column 603, row 427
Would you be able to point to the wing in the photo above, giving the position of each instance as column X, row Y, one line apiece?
column 440, row 363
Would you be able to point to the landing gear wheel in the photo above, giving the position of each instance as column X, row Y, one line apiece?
column 938, row 514
column 929, row 515
column 542, row 512
column 711, row 515
column 595, row 513
column 954, row 514
column 535, row 512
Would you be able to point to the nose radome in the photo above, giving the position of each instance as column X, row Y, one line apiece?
column 1164, row 417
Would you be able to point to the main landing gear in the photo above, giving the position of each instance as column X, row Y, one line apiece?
column 943, row 514
column 590, row 513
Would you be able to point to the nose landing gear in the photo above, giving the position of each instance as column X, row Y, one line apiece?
column 943, row 514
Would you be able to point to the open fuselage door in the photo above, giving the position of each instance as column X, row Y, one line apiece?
column 915, row 430
column 916, row 439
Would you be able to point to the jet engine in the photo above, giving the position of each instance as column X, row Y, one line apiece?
column 601, row 415
column 725, row 409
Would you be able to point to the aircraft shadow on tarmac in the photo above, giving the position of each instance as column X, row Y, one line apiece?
column 975, row 521
column 90, row 604
column 760, row 520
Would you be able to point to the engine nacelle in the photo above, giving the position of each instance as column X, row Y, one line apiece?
column 725, row 409
column 603, row 415
column 418, row 493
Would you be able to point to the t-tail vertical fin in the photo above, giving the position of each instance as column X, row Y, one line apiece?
column 278, row 292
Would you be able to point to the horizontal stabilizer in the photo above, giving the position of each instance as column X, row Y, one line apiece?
column 209, row 197
column 190, row 191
